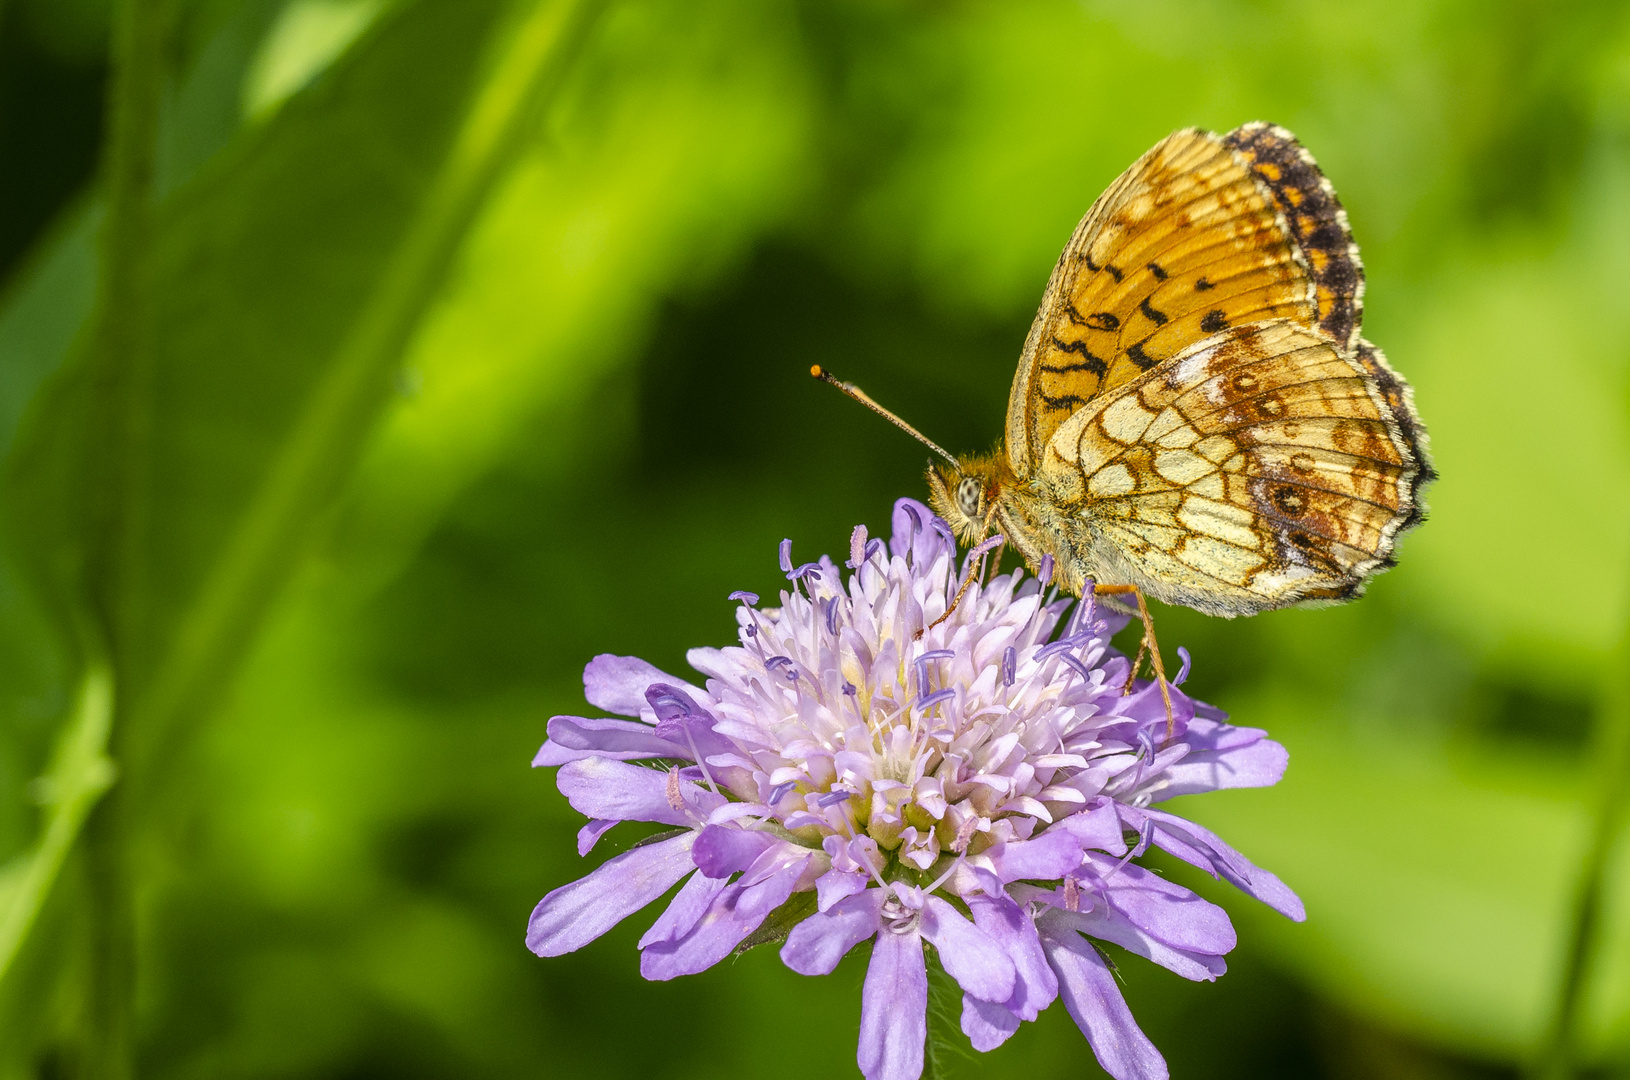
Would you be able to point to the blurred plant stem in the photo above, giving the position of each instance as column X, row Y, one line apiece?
column 1561, row 1051
column 536, row 51
column 164, row 685
column 118, row 438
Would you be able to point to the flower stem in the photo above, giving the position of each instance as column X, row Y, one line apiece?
column 1560, row 1051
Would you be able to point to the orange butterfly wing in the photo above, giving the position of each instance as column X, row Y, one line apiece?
column 1201, row 234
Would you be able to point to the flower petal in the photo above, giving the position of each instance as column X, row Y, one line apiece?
column 977, row 961
column 590, row 834
column 986, row 1024
column 817, row 944
column 1095, row 1004
column 894, row 1009
column 1034, row 985
column 722, row 850
column 836, row 885
column 617, row 683
column 574, row 737
column 1111, row 925
column 684, row 909
column 1098, row 826
column 1164, row 908
column 1224, row 756
column 574, row 915
column 735, row 912
column 1047, row 858
column 1203, row 848
column 617, row 791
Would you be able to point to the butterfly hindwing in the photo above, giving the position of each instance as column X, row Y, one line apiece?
column 1262, row 467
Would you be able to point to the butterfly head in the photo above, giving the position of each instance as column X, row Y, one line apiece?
column 964, row 494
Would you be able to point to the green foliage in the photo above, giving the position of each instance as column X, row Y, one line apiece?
column 440, row 408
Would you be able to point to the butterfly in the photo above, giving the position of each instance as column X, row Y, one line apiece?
column 1196, row 416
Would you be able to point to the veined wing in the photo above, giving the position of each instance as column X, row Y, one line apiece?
column 1202, row 233
column 1260, row 468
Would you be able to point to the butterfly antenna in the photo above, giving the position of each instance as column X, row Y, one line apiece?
column 861, row 396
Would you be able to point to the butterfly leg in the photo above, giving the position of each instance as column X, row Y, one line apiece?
column 1150, row 642
column 962, row 590
column 973, row 572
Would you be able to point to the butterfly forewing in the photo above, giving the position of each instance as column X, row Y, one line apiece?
column 1189, row 241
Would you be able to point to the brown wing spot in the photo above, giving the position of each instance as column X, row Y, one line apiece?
column 1289, row 500
column 1156, row 317
column 1214, row 321
column 1160, row 275
column 1141, row 358
column 1271, row 407
column 1115, row 273
column 1203, row 285
column 1302, row 462
column 1103, row 320
column 1244, row 383
column 1064, row 401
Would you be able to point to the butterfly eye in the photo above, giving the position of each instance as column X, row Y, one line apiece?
column 969, row 494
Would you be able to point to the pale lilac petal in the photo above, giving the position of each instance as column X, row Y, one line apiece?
column 682, row 912
column 1034, row 985
column 574, row 737
column 615, row 790
column 1047, row 858
column 1095, row 1004
column 978, row 963
column 1165, row 909
column 817, row 944
column 574, row 915
column 734, row 913
column 1203, row 848
column 590, row 834
column 723, row 850
column 835, row 885
column 894, row 1009
column 1110, row 925
column 986, row 1024
column 1236, row 758
column 1098, row 826
column 617, row 683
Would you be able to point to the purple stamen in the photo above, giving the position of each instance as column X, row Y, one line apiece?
column 786, row 557
column 936, row 697
column 1183, row 672
column 932, row 654
column 779, row 792
column 831, row 606
column 1010, row 665
column 745, row 597
column 1045, row 574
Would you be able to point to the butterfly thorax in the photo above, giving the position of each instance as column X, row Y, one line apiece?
column 982, row 496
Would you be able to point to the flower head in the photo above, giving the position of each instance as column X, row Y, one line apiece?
column 855, row 770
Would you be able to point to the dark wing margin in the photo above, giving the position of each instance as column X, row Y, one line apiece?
column 1318, row 224
column 1319, row 228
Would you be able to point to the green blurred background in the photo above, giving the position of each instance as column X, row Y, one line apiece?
column 598, row 423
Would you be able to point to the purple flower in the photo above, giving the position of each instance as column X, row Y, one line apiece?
column 853, row 772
